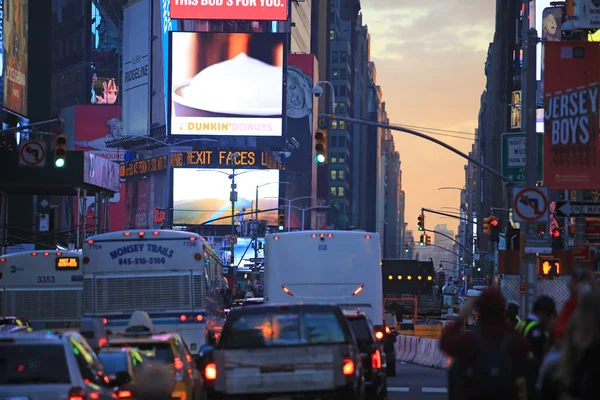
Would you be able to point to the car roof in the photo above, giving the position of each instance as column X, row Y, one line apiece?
column 261, row 308
column 38, row 337
column 354, row 314
column 143, row 338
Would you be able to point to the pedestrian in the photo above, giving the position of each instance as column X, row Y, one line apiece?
column 512, row 312
column 489, row 360
column 537, row 326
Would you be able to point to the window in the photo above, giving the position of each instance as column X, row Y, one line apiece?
column 342, row 108
column 335, row 56
column 341, row 159
column 342, row 174
column 85, row 361
column 335, row 73
column 342, row 141
column 361, row 329
column 33, row 365
column 332, row 35
column 323, row 327
column 334, row 124
column 343, row 56
column 343, row 73
column 341, row 191
column 114, row 362
column 333, row 159
column 342, row 125
column 341, row 91
column 333, row 174
column 334, row 141
column 333, row 191
column 161, row 351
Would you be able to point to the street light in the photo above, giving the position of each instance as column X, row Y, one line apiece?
column 259, row 186
column 289, row 207
column 304, row 209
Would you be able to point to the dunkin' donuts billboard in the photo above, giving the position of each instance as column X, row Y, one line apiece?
column 571, row 115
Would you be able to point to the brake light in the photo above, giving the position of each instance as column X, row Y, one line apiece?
column 95, row 395
column 368, row 237
column 2, row 259
column 287, row 291
column 102, row 342
column 358, row 290
column 34, row 254
column 124, row 394
column 379, row 335
column 388, row 330
column 59, row 253
column 105, row 321
column 182, row 318
column 126, row 234
column 376, row 360
column 199, row 318
column 178, row 363
column 156, row 233
column 210, row 372
column 192, row 239
column 86, row 260
column 90, row 241
column 141, row 234
column 348, row 367
column 329, row 235
column 46, row 254
column 179, row 372
column 275, row 237
column 197, row 257
column 314, row 235
column 77, row 393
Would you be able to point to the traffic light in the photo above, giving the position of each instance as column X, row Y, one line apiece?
column 281, row 222
column 422, row 241
column 550, row 267
column 406, row 248
column 427, row 240
column 60, row 150
column 555, row 233
column 321, row 146
column 490, row 225
column 421, row 220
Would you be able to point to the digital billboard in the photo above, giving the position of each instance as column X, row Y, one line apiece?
column 254, row 10
column 202, row 194
column 16, row 54
column 243, row 252
column 104, row 88
column 1, row 52
column 227, row 84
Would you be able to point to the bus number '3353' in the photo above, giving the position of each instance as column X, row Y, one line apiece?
column 142, row 261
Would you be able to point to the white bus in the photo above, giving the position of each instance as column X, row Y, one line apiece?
column 174, row 276
column 341, row 267
column 44, row 287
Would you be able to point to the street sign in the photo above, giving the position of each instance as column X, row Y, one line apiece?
column 514, row 155
column 581, row 252
column 577, row 209
column 538, row 244
column 530, row 204
column 32, row 154
column 256, row 260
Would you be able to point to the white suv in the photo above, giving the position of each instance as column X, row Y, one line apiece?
column 48, row 366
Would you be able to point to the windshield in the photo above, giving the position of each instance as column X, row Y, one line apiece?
column 160, row 351
column 33, row 364
column 284, row 328
column 360, row 328
column 114, row 362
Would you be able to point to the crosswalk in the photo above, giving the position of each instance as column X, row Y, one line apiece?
column 406, row 389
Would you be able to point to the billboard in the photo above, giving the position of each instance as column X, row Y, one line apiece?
column 571, row 139
column 140, row 198
column 104, row 87
column 550, row 32
column 136, row 68
column 202, row 194
column 93, row 127
column 301, row 112
column 168, row 25
column 244, row 252
column 1, row 52
column 16, row 31
column 227, row 84
column 253, row 10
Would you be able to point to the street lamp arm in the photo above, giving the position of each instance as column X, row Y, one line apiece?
column 449, row 215
column 450, row 188
column 451, row 238
column 422, row 136
column 443, row 248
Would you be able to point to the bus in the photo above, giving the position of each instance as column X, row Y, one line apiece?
column 44, row 287
column 174, row 276
column 341, row 267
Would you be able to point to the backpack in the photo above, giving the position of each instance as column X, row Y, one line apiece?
column 491, row 376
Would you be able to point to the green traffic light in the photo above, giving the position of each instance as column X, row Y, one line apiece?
column 59, row 163
column 406, row 250
column 320, row 158
column 281, row 228
column 421, row 244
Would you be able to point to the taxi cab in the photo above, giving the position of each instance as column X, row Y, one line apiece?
column 162, row 348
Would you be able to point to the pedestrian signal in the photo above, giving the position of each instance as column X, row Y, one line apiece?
column 550, row 267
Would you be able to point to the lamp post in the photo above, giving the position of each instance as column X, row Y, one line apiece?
column 255, row 234
column 289, row 207
column 304, row 209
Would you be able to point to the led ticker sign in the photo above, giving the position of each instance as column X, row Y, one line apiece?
column 67, row 263
column 206, row 158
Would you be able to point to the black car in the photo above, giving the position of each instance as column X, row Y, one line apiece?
column 373, row 360
column 127, row 359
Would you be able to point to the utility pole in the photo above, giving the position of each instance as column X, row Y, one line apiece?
column 528, row 110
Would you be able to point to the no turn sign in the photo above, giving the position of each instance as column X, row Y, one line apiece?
column 32, row 153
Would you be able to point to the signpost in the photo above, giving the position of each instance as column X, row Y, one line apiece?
column 581, row 252
column 32, row 154
column 539, row 244
column 514, row 156
column 530, row 204
column 577, row 209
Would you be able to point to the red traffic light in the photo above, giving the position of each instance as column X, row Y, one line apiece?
column 494, row 223
column 556, row 233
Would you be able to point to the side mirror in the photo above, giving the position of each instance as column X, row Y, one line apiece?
column 121, row 378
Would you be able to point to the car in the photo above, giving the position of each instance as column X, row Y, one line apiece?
column 373, row 361
column 14, row 321
column 122, row 359
column 284, row 351
column 387, row 336
column 45, row 365
column 94, row 331
column 162, row 348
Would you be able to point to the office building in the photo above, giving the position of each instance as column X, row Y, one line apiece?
column 301, row 27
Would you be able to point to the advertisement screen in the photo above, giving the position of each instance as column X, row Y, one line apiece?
column 15, row 19
column 244, row 251
column 104, row 89
column 1, row 52
column 202, row 194
column 571, row 118
column 254, row 10
column 227, row 84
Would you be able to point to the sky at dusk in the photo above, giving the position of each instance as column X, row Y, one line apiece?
column 430, row 57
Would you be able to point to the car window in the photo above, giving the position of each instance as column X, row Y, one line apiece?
column 361, row 329
column 137, row 359
column 9, row 321
column 33, row 364
column 281, row 329
column 85, row 361
column 159, row 351
column 114, row 362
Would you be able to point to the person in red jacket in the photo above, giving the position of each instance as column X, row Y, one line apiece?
column 473, row 352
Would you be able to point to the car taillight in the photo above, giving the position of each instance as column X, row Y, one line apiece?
column 179, row 372
column 379, row 335
column 388, row 330
column 286, row 290
column 210, row 372
column 348, row 367
column 77, row 393
column 124, row 394
column 376, row 360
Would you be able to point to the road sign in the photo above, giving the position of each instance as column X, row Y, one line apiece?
column 32, row 154
column 530, row 204
column 577, row 209
column 514, row 156
column 581, row 252
column 538, row 244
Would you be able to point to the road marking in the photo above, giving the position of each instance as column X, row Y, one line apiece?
column 434, row 390
column 398, row 389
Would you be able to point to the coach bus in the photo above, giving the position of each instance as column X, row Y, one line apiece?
column 174, row 276
column 44, row 287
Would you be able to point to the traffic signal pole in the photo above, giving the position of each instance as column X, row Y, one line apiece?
column 528, row 119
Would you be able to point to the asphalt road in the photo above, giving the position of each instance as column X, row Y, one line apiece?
column 414, row 382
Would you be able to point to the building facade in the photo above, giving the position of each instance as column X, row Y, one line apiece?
column 300, row 42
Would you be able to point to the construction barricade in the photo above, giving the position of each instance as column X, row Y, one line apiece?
column 422, row 351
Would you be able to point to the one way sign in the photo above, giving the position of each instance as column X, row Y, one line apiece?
column 577, row 209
